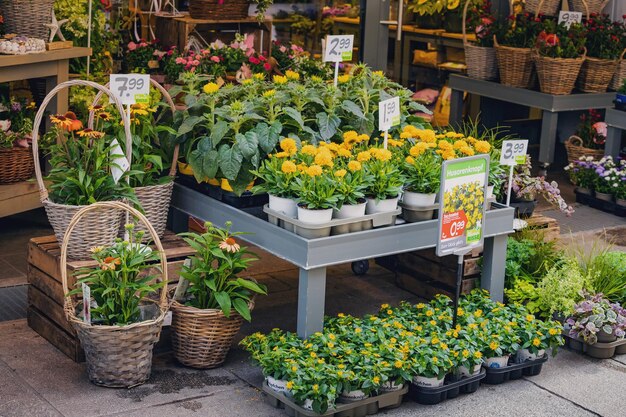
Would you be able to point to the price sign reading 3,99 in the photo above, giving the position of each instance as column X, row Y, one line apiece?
column 131, row 88
column 338, row 48
column 513, row 152
column 567, row 18
column 388, row 113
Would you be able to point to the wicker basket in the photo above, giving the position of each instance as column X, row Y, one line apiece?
column 515, row 65
column 481, row 61
column 547, row 7
column 575, row 149
column 102, row 228
column 202, row 338
column 16, row 164
column 557, row 75
column 117, row 356
column 212, row 10
column 596, row 74
column 155, row 199
column 27, row 17
column 587, row 6
column 620, row 74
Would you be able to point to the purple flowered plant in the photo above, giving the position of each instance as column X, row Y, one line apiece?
column 604, row 176
column 594, row 314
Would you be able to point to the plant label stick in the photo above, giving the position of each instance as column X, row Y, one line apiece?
column 183, row 284
column 119, row 163
column 388, row 116
column 86, row 303
column 338, row 48
column 513, row 153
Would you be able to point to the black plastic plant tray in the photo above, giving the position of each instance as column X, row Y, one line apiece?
column 598, row 350
column 497, row 376
column 431, row 396
column 245, row 200
column 598, row 204
column 360, row 408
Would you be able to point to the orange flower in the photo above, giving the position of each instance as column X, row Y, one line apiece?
column 109, row 263
column 75, row 124
column 230, row 245
column 90, row 133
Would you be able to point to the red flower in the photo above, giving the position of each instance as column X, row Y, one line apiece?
column 552, row 40
column 254, row 60
column 267, row 66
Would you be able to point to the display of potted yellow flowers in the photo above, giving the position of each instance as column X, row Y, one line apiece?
column 317, row 194
column 387, row 181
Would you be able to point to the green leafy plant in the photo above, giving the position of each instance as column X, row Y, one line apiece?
column 559, row 41
column 560, row 289
column 387, row 178
column 603, row 37
column 423, row 172
column 316, row 189
column 278, row 177
column 214, row 270
column 519, row 31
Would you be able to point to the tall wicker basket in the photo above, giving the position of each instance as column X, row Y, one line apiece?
column 575, row 149
column 549, row 7
column 117, row 356
column 557, row 75
column 587, row 6
column 515, row 65
column 481, row 61
column 16, row 164
column 596, row 74
column 27, row 17
column 213, row 10
column 620, row 73
column 155, row 199
column 108, row 221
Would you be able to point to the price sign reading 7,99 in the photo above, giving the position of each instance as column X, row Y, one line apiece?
column 338, row 48
column 131, row 88
column 462, row 204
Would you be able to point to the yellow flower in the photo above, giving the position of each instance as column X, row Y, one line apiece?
column 340, row 374
column 478, row 355
column 410, row 160
column 330, row 345
column 398, row 364
column 376, row 380
column 465, row 353
column 378, row 73
column 324, row 159
column 482, row 146
column 309, row 150
column 354, row 166
column 553, row 332
column 433, row 322
column 530, row 317
column 316, row 388
column 536, row 342
column 292, row 75
column 247, row 81
column 269, row 93
column 289, row 145
column 478, row 313
column 460, row 312
column 313, row 354
column 316, row 79
column 435, row 359
column 350, row 136
column 341, row 366
column 381, row 154
column 279, row 79
column 289, row 384
column 357, row 330
column 420, row 306
column 281, row 154
column 210, row 88
column 429, row 313
column 343, row 78
column 344, row 153
column 259, row 76
column 363, row 156
column 288, row 167
column 340, row 173
column 314, row 171
column 444, row 145
column 493, row 345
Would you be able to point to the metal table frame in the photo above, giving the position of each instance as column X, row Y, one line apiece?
column 616, row 122
column 312, row 256
column 551, row 105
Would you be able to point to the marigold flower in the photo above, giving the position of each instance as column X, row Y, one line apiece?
column 314, row 171
column 324, row 159
column 288, row 167
column 292, row 75
column 340, row 173
column 344, row 153
column 279, row 79
column 482, row 146
column 289, row 145
column 354, row 166
column 364, row 156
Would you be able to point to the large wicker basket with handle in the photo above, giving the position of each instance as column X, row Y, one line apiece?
column 16, row 164
column 116, row 356
column 557, row 75
column 480, row 60
column 587, row 6
column 596, row 74
column 27, row 17
column 97, row 229
column 219, row 10
column 620, row 73
column 515, row 65
column 549, row 7
column 154, row 199
column 575, row 149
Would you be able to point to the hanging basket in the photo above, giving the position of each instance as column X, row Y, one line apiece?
column 596, row 74
column 587, row 6
column 213, row 10
column 202, row 338
column 575, row 149
column 16, row 164
column 547, row 7
column 481, row 61
column 27, row 17
column 99, row 229
column 154, row 199
column 620, row 74
column 515, row 65
column 116, row 356
column 557, row 75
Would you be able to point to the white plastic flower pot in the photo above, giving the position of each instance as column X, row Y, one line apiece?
column 390, row 386
column 278, row 385
column 497, row 361
column 524, row 355
column 428, row 382
column 352, row 396
column 418, row 199
column 284, row 205
column 348, row 211
column 464, row 372
column 315, row 216
column 381, row 206
column 490, row 191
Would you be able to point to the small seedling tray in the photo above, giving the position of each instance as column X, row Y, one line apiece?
column 596, row 203
column 431, row 396
column 598, row 350
column 497, row 376
column 360, row 408
column 245, row 200
column 333, row 227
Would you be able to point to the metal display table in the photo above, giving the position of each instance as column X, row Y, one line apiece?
column 312, row 256
column 551, row 105
column 616, row 122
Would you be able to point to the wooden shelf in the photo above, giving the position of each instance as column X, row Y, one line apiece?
column 47, row 56
column 18, row 197
column 191, row 20
column 346, row 20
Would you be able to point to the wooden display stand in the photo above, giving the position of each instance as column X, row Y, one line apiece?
column 45, row 292
column 546, row 226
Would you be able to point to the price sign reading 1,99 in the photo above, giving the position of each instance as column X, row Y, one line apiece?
column 338, row 48
column 513, row 152
column 388, row 113
column 131, row 88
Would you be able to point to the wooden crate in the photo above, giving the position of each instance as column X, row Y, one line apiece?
column 547, row 226
column 45, row 293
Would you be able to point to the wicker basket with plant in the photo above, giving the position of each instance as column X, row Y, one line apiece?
column 480, row 57
column 16, row 123
column 604, row 47
column 589, row 137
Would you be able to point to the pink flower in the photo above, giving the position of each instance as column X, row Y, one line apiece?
column 600, row 128
column 267, row 66
column 132, row 46
column 254, row 60
column 195, row 62
column 181, row 60
column 215, row 59
column 283, row 49
column 143, row 44
column 5, row 125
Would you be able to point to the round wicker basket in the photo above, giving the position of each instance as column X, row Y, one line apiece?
column 117, row 356
column 27, row 17
column 620, row 74
column 557, row 75
column 481, row 61
column 587, row 6
column 515, row 65
column 575, row 149
column 596, row 74
column 16, row 164
column 213, row 10
column 547, row 7
column 102, row 229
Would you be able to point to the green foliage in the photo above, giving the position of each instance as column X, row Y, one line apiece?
column 316, row 191
column 558, row 41
column 423, row 173
column 560, row 289
column 387, row 179
column 519, row 31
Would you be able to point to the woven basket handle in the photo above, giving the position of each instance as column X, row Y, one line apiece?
column 135, row 213
column 622, row 55
column 170, row 103
column 463, row 31
column 575, row 140
column 43, row 192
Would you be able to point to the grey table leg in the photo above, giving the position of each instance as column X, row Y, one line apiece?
column 311, row 297
column 456, row 107
column 179, row 221
column 494, row 260
column 613, row 141
column 547, row 142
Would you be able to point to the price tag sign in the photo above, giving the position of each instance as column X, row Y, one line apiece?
column 131, row 88
column 388, row 113
column 119, row 163
column 86, row 303
column 570, row 17
column 513, row 152
column 338, row 48
column 462, row 204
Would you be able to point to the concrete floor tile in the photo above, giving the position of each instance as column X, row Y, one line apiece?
column 17, row 399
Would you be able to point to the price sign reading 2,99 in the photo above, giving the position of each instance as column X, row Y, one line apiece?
column 338, row 48
column 131, row 88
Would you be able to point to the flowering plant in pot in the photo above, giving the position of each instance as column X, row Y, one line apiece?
column 596, row 319
column 582, row 173
column 16, row 123
column 589, row 138
column 603, row 40
column 422, row 170
column 317, row 194
column 210, row 312
column 433, row 363
column 351, row 188
column 387, row 181
column 536, row 336
column 503, row 343
column 142, row 57
column 278, row 177
column 607, row 178
column 313, row 383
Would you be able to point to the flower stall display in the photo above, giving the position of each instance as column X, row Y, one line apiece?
column 143, row 57
column 589, row 137
column 480, row 57
column 209, row 313
column 605, row 179
column 604, row 48
column 16, row 123
column 428, row 13
column 596, row 319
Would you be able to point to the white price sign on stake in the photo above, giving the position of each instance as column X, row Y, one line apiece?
column 119, row 163
column 338, row 48
column 131, row 88
column 570, row 17
column 388, row 113
column 514, row 152
column 86, row 303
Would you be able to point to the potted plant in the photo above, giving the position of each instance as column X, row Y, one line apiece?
column 422, row 170
column 620, row 97
column 428, row 13
column 582, row 173
column 351, row 188
column 317, row 194
column 606, row 179
column 620, row 72
column 122, row 320
column 589, row 137
column 386, row 183
column 210, row 312
column 16, row 123
column 536, row 336
column 596, row 319
column 432, row 364
column 278, row 176
column 503, row 342
column 604, row 47
column 480, row 56
column 313, row 385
